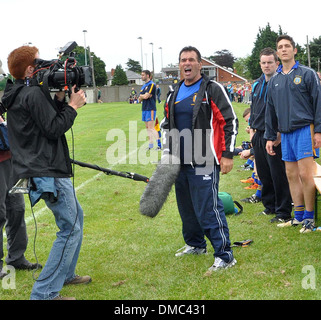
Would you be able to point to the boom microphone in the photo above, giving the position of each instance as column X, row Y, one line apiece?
column 129, row 175
column 159, row 185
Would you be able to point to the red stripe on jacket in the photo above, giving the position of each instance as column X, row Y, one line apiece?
column 218, row 137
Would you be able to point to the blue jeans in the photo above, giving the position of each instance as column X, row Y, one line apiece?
column 63, row 257
column 202, row 211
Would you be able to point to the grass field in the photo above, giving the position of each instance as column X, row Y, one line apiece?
column 132, row 257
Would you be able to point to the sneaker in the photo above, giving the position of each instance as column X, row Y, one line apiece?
column 290, row 223
column 277, row 219
column 265, row 212
column 253, row 186
column 252, row 199
column 307, row 226
column 190, row 250
column 220, row 264
column 248, row 180
column 158, row 149
column 79, row 280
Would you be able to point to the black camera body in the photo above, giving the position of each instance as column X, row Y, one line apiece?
column 58, row 75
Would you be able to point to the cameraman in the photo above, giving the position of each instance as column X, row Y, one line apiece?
column 37, row 127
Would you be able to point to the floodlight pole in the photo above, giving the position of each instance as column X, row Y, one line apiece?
column 161, row 50
column 141, row 49
column 152, row 44
column 85, row 31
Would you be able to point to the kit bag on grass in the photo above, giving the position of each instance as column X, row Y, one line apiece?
column 230, row 206
column 4, row 141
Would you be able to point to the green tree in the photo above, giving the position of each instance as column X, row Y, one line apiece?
column 120, row 77
column 99, row 65
column 265, row 38
column 99, row 71
column 223, row 58
column 241, row 67
column 134, row 66
column 315, row 54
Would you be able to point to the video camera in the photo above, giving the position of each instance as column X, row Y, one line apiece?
column 58, row 75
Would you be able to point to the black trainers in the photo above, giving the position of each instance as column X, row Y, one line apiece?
column 265, row 212
column 26, row 265
column 252, row 199
column 277, row 219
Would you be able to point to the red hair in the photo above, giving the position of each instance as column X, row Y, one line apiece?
column 21, row 58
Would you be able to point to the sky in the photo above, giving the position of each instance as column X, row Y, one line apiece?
column 113, row 27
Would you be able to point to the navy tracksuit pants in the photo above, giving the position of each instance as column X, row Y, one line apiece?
column 202, row 211
column 276, row 195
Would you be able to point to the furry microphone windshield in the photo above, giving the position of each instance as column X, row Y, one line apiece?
column 159, row 185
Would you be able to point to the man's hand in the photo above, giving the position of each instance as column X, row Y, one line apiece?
column 317, row 140
column 269, row 147
column 245, row 154
column 77, row 99
column 226, row 165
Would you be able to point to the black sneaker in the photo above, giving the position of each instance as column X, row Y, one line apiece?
column 265, row 212
column 277, row 219
column 252, row 199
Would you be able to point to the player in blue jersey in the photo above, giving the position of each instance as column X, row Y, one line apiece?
column 294, row 109
column 148, row 98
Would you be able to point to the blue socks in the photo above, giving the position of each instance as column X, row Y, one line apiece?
column 300, row 214
column 308, row 215
column 259, row 189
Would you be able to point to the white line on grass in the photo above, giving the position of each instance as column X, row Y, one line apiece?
column 44, row 210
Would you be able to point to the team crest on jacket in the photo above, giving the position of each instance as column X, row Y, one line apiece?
column 297, row 80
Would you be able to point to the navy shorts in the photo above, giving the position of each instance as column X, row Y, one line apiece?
column 298, row 144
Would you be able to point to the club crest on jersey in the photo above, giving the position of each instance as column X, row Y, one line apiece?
column 194, row 97
column 297, row 80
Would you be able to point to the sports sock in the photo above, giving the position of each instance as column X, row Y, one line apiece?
column 298, row 213
column 308, row 214
column 259, row 189
column 151, row 146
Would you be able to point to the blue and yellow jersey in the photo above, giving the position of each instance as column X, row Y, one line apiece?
column 149, row 104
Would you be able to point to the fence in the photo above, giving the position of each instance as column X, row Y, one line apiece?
column 115, row 93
